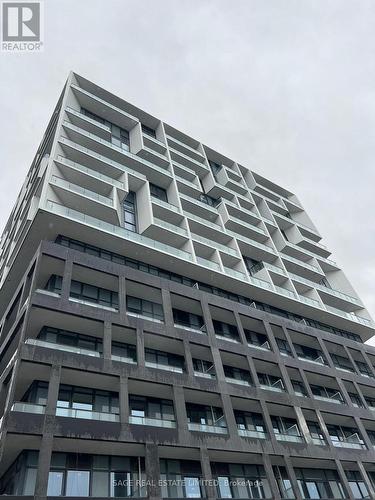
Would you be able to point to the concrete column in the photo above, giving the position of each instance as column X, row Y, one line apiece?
column 324, row 349
column 270, row 476
column 208, row 321
column 124, row 400
column 292, row 477
column 240, row 329
column 324, row 429
column 344, row 392
column 53, row 390
column 107, row 339
column 363, row 433
column 253, row 372
column 152, row 467
column 188, row 358
column 207, row 474
column 366, row 479
column 67, row 279
column 180, row 408
column 268, row 423
column 306, row 383
column 218, row 364
column 302, row 424
column 360, row 395
column 350, row 357
column 122, row 296
column 140, row 347
column 288, row 338
column 44, row 464
column 167, row 308
column 344, row 480
column 367, row 359
column 271, row 337
column 286, row 379
column 229, row 415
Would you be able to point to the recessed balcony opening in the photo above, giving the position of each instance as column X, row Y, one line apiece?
column 314, row 427
column 49, row 277
column 356, row 481
column 94, row 288
column 280, row 472
column 207, row 256
column 249, row 418
column 94, row 397
column 307, row 348
column 340, row 357
column 369, row 396
column 224, row 324
column 354, row 396
column 65, row 332
column 269, row 376
column 143, row 301
column 204, row 412
column 297, row 382
column 255, row 332
column 203, row 363
column 283, row 286
column 371, row 358
column 318, row 479
column 369, row 426
column 235, row 479
column 124, row 344
column 285, row 424
column 31, row 390
column 325, row 388
column 362, row 365
column 181, row 478
column 281, row 341
column 151, row 404
column 236, row 369
column 164, row 353
column 343, row 431
column 187, row 314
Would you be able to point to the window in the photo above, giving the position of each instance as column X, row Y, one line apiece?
column 188, row 319
column 283, row 482
column 284, row 347
column 204, row 367
column 252, row 265
column 164, row 358
column 310, row 354
column 208, row 200
column 64, row 337
column 155, row 408
column 205, row 415
column 124, row 350
column 364, row 369
column 130, row 212
column 215, row 167
column 181, row 479
column 54, row 284
column 20, row 478
column 93, row 116
column 144, row 308
column 283, row 426
column 158, row 192
column 94, row 294
column 86, row 400
column 356, row 400
column 226, row 330
column 319, row 483
column 120, row 138
column 235, row 373
column 257, row 339
column 299, row 388
column 250, row 421
column 342, row 362
column 357, row 484
column 149, row 131
column 321, row 392
column 83, row 475
column 316, row 433
column 271, row 382
column 341, row 436
column 241, row 481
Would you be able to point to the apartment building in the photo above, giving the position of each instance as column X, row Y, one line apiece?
column 172, row 325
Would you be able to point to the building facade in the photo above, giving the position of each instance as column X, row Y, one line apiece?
column 172, row 326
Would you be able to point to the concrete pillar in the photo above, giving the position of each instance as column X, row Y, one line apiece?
column 207, row 474
column 303, row 425
column 180, row 408
column 240, row 329
column 167, row 308
column 270, row 476
column 271, row 337
column 44, row 464
column 152, row 467
column 344, row 480
column 124, row 400
column 229, row 415
column 122, row 296
column 292, row 477
column 253, row 372
column 67, row 279
column 268, row 423
column 366, row 479
column 107, row 339
column 53, row 390
column 188, row 358
column 140, row 339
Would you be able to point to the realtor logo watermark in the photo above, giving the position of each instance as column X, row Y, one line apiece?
column 22, row 26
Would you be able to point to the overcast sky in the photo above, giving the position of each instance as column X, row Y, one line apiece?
column 287, row 88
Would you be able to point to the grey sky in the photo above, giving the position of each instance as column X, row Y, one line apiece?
column 284, row 87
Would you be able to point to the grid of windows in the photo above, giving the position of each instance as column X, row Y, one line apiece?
column 162, row 273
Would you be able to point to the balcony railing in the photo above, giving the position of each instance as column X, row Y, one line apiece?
column 191, row 328
column 87, row 414
column 171, row 227
column 292, row 438
column 93, row 195
column 159, row 366
column 153, row 422
column 123, row 359
column 214, row 429
column 252, row 434
column 238, row 381
column 28, row 408
column 62, row 347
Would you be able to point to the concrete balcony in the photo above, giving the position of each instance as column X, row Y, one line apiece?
column 61, row 347
column 228, row 178
column 245, row 228
column 185, row 149
column 199, row 167
column 93, row 126
column 306, row 269
column 154, row 144
column 166, row 232
column 155, row 173
column 214, row 244
column 28, row 408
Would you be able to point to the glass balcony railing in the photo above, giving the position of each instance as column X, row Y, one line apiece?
column 309, row 301
column 261, row 283
column 153, row 422
column 253, row 243
column 159, row 366
column 72, row 214
column 318, row 441
column 62, row 347
column 58, row 181
column 301, row 263
column 215, row 244
column 87, row 414
column 123, row 359
column 28, row 408
column 350, row 316
column 214, row 429
column 292, row 438
column 235, row 274
column 90, row 172
column 237, row 381
column 93, row 304
column 143, row 316
column 171, row 227
column 165, row 204
column 205, row 222
column 284, row 291
column 348, row 443
column 207, row 375
column 252, row 434
column 191, row 328
column 208, row 263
